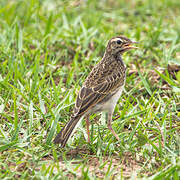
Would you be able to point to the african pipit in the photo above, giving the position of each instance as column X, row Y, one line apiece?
column 101, row 89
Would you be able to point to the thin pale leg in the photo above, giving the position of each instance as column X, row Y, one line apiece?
column 109, row 120
column 87, row 127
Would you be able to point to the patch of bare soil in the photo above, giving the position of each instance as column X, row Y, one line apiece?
column 123, row 166
column 154, row 78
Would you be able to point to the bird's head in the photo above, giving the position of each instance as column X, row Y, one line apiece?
column 119, row 44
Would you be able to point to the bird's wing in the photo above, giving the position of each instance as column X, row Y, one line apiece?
column 100, row 83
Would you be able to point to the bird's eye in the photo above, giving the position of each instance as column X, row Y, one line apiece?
column 119, row 41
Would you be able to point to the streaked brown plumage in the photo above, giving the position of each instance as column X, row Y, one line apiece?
column 101, row 89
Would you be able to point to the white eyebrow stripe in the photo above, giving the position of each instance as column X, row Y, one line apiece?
column 116, row 39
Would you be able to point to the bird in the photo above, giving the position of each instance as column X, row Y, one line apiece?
column 101, row 89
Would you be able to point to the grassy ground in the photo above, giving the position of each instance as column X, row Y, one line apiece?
column 47, row 48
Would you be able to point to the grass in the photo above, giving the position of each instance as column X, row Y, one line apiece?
column 47, row 49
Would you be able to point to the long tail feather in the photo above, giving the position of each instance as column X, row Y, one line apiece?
column 66, row 132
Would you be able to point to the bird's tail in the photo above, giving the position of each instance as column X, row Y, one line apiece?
column 66, row 132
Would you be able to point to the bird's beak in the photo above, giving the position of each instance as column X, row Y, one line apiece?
column 129, row 45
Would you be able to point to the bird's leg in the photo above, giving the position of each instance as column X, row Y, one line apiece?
column 109, row 119
column 87, row 127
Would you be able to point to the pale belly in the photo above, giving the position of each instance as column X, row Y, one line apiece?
column 108, row 105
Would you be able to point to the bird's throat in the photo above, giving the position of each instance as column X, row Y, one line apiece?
column 118, row 57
